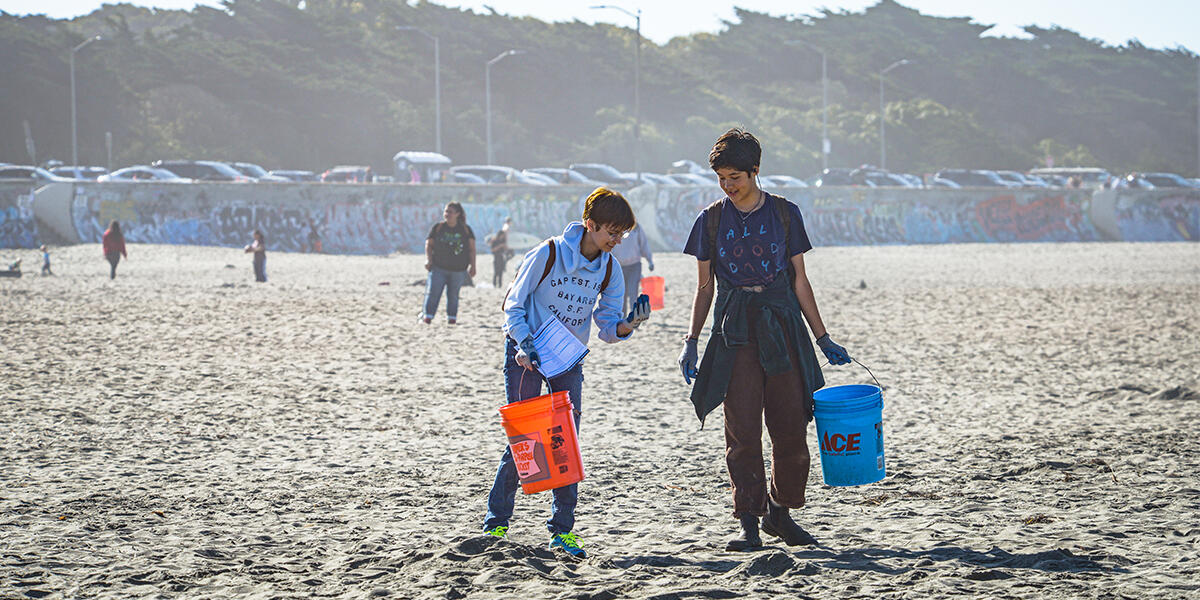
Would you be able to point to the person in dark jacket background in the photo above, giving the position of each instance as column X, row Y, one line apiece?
column 113, row 243
column 759, row 361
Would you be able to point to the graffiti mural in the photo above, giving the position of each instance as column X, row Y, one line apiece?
column 350, row 219
column 382, row 219
column 18, row 228
column 1159, row 216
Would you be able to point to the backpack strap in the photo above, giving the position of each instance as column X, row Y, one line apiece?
column 545, row 272
column 607, row 275
column 712, row 223
column 549, row 263
column 785, row 218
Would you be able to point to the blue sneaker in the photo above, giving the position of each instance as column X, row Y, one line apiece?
column 501, row 531
column 568, row 542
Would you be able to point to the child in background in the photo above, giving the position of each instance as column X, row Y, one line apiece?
column 570, row 278
column 259, row 248
column 46, row 261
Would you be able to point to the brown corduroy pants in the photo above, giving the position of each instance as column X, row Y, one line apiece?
column 751, row 396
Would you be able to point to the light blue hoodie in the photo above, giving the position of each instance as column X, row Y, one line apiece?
column 568, row 293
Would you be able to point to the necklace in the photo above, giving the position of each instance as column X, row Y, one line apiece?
column 746, row 215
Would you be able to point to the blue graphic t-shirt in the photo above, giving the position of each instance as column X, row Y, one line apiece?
column 749, row 247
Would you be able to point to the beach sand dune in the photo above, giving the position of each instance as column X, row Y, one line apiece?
column 184, row 432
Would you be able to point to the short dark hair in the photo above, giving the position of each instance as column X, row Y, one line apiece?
column 737, row 149
column 609, row 208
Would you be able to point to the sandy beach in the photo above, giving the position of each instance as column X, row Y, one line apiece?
column 184, row 432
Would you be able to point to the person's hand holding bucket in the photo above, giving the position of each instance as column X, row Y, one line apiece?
column 834, row 353
column 527, row 355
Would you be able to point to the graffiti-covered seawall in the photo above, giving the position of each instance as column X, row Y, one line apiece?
column 349, row 219
column 381, row 219
column 853, row 216
column 18, row 227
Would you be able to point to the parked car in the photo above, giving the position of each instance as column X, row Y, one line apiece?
column 297, row 176
column 834, row 176
column 348, row 174
column 545, row 179
column 28, row 172
column 565, row 176
column 872, row 177
column 913, row 180
column 1022, row 180
column 420, row 167
column 1133, row 181
column 142, row 173
column 499, row 174
column 602, row 172
column 257, row 172
column 1089, row 177
column 689, row 179
column 651, row 178
column 464, row 177
column 974, row 178
column 783, row 180
column 935, row 182
column 202, row 170
column 1167, row 180
column 79, row 173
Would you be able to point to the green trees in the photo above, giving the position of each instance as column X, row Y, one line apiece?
column 335, row 82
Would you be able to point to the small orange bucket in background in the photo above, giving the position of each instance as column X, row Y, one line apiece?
column 654, row 287
column 541, row 434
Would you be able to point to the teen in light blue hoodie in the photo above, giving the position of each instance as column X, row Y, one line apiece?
column 583, row 284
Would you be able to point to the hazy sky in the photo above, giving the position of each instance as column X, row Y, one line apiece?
column 1155, row 23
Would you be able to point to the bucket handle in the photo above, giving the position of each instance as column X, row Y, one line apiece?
column 827, row 363
column 549, row 386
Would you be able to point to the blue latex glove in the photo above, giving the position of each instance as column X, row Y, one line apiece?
column 651, row 265
column 528, row 353
column 836, row 354
column 688, row 359
column 640, row 312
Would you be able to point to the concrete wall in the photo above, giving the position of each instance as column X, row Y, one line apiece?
column 380, row 219
column 18, row 228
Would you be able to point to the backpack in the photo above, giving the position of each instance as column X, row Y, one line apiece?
column 550, row 265
column 712, row 223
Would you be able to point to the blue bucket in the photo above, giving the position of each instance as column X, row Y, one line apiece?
column 850, row 431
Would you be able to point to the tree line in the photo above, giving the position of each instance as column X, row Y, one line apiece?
column 312, row 83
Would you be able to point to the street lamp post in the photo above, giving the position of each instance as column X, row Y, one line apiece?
column 824, row 102
column 74, row 131
column 637, row 86
column 437, row 83
column 487, row 78
column 883, row 114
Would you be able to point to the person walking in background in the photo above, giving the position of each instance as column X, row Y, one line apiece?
column 759, row 360
column 630, row 254
column 571, row 278
column 46, row 261
column 259, row 248
column 500, row 252
column 450, row 259
column 113, row 243
column 314, row 238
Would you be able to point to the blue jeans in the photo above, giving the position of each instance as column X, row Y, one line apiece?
column 438, row 279
column 520, row 384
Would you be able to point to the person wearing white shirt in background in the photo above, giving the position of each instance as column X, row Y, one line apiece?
column 629, row 254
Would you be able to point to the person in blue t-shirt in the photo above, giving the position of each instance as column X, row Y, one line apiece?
column 759, row 361
column 575, row 279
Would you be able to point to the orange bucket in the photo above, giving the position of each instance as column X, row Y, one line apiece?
column 654, row 287
column 545, row 447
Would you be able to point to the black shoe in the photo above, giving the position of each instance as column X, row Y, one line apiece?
column 749, row 540
column 779, row 523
